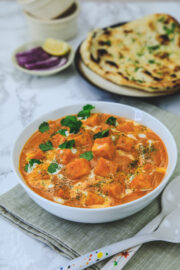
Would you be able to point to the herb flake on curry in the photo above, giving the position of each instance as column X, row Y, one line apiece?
column 93, row 160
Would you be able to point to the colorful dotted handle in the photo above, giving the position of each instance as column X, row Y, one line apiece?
column 87, row 260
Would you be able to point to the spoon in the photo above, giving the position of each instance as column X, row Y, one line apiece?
column 169, row 231
column 170, row 200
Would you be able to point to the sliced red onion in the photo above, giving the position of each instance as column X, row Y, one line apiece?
column 32, row 58
column 62, row 61
column 45, row 64
column 36, row 50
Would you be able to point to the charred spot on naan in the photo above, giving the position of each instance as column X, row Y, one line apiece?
column 163, row 39
column 105, row 43
column 96, row 60
column 177, row 68
column 126, row 31
column 162, row 55
column 101, row 52
column 151, row 25
column 111, row 63
column 107, row 31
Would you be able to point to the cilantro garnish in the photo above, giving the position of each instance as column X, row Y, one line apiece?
column 71, row 122
column 87, row 155
column 26, row 167
column 152, row 148
column 52, row 167
column 31, row 163
column 140, row 54
column 161, row 19
column 136, row 69
column 85, row 113
column 153, row 48
column 68, row 144
column 139, row 81
column 102, row 134
column 171, row 29
column 151, row 61
column 111, row 121
column 62, row 132
column 46, row 146
column 44, row 127
column 147, row 150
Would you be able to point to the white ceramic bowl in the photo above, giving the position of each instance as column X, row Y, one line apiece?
column 45, row 9
column 100, row 215
column 64, row 28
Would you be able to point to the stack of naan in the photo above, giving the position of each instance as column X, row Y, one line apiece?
column 143, row 54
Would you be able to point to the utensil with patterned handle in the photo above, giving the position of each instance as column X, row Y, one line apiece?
column 170, row 200
column 169, row 231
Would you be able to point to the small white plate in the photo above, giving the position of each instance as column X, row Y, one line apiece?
column 44, row 72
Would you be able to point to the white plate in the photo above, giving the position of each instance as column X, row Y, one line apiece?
column 45, row 72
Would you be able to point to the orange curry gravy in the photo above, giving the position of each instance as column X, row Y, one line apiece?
column 101, row 163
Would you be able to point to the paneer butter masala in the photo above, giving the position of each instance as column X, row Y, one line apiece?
column 93, row 160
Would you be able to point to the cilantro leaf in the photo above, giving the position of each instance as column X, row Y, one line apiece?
column 31, row 163
column 62, row 132
column 171, row 29
column 87, row 155
column 26, row 167
column 85, row 113
column 68, row 144
column 136, row 69
column 111, row 121
column 52, row 167
column 46, row 146
column 151, row 61
column 44, row 127
column 102, row 134
column 71, row 122
column 88, row 107
column 162, row 19
column 153, row 48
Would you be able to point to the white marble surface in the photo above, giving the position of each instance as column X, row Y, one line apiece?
column 23, row 98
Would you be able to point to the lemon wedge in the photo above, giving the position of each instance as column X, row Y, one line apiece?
column 56, row 47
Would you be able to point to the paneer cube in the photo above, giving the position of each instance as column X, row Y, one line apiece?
column 93, row 199
column 83, row 140
column 123, row 162
column 103, row 147
column 36, row 154
column 126, row 127
column 57, row 140
column 141, row 182
column 105, row 167
column 125, row 143
column 64, row 156
column 93, row 120
column 78, row 168
column 63, row 193
column 114, row 190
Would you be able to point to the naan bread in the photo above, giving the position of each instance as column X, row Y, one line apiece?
column 143, row 54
